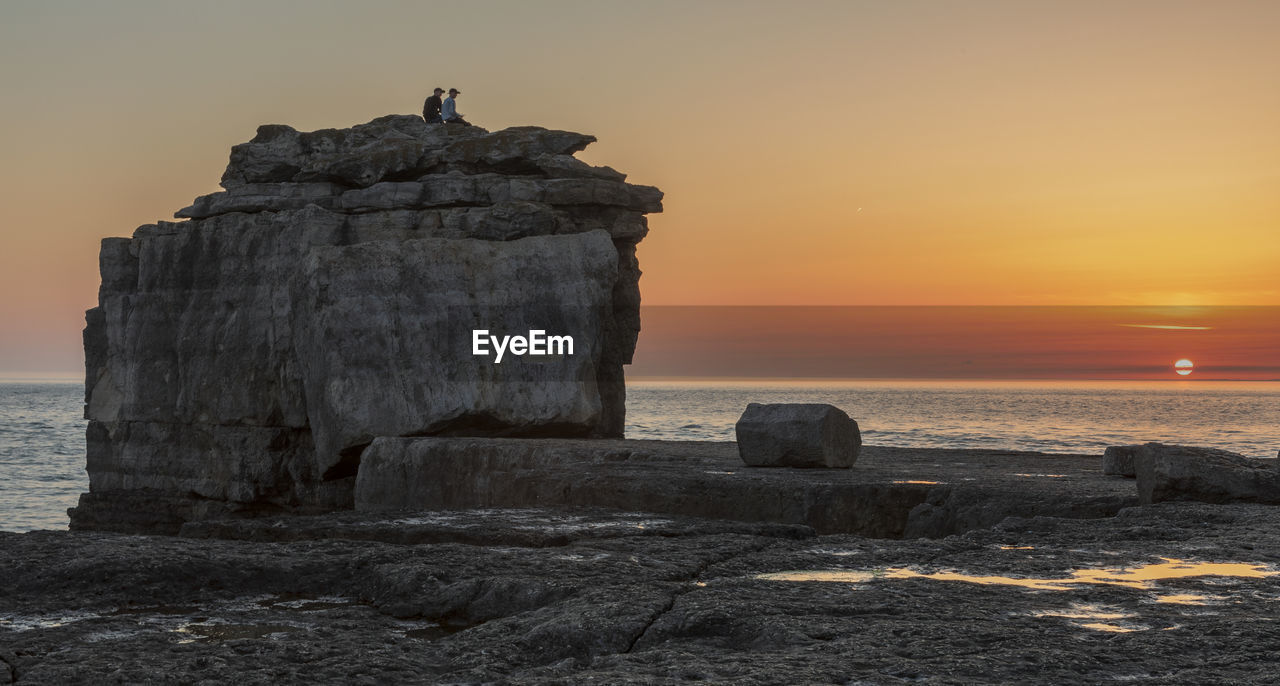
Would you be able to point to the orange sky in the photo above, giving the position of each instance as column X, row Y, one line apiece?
column 1224, row 343
column 813, row 153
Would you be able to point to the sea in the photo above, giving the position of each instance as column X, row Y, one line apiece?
column 42, row 444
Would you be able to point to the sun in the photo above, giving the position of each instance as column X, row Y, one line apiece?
column 1183, row 367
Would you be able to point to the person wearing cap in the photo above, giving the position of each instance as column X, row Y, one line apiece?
column 431, row 108
column 449, row 109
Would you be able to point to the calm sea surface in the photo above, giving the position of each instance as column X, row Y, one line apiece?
column 1044, row 416
column 42, row 430
column 41, row 454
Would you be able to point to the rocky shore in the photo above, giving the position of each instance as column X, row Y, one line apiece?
column 575, row 594
column 305, row 466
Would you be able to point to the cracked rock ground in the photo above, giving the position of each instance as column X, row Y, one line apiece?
column 594, row 596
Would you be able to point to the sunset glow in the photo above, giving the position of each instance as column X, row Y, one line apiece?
column 1231, row 344
column 828, row 153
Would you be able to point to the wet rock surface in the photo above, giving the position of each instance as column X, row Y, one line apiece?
column 588, row 596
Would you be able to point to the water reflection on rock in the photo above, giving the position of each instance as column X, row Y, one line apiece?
column 1141, row 577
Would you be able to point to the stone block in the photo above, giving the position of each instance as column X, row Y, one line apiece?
column 797, row 435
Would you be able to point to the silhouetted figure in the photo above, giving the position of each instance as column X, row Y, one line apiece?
column 431, row 108
column 449, row 109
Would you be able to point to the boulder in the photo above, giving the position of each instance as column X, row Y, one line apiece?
column 1117, row 460
column 797, row 435
column 240, row 360
column 1176, row 472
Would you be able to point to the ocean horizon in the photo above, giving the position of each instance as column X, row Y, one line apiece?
column 42, row 441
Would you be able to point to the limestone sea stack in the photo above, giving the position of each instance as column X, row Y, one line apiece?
column 240, row 361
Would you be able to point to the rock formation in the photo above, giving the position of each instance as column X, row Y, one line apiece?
column 1180, row 472
column 242, row 359
column 947, row 492
column 1117, row 460
column 797, row 435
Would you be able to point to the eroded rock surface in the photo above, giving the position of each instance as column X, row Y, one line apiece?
column 238, row 362
column 1175, row 593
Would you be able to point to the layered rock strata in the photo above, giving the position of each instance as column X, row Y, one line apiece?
column 242, row 359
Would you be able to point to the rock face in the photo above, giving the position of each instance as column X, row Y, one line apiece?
column 1117, row 460
column 1177, row 472
column 242, row 360
column 797, row 435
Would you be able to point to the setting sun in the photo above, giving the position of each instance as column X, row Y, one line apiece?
column 1183, row 367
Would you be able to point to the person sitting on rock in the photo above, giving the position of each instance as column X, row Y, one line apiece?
column 449, row 109
column 431, row 108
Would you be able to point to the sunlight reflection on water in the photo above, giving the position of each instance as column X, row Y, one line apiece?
column 1141, row 577
column 1092, row 617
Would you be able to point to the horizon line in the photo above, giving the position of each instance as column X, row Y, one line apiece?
column 706, row 377
column 56, row 377
column 1181, row 307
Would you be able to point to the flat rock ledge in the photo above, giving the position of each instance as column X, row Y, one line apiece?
column 892, row 493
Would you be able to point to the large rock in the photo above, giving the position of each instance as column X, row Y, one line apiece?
column 797, row 435
column 384, row 338
column 246, row 356
column 1176, row 472
column 1117, row 460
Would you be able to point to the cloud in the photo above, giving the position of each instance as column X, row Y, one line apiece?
column 1170, row 327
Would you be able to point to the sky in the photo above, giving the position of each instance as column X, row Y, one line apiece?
column 961, row 342
column 988, row 152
